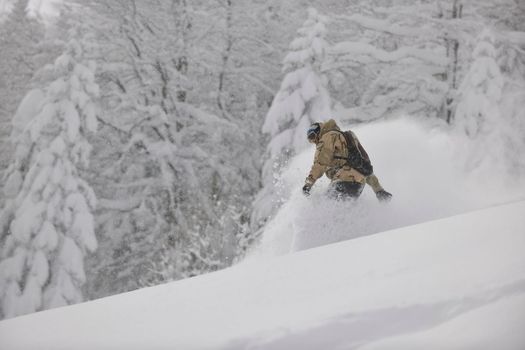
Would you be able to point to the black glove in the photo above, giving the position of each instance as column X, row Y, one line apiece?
column 383, row 196
column 306, row 189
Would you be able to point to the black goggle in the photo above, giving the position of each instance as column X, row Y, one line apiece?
column 312, row 135
column 313, row 132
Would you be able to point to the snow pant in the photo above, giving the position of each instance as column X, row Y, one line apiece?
column 342, row 190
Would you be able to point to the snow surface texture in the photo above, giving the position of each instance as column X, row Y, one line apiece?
column 420, row 162
column 473, row 330
column 455, row 283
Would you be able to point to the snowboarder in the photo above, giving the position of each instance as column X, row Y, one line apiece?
column 343, row 159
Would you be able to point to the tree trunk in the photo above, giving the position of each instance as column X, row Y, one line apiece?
column 225, row 55
column 453, row 55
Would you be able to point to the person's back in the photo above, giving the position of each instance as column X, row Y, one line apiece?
column 341, row 157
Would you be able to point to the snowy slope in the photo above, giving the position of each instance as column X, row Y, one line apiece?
column 419, row 283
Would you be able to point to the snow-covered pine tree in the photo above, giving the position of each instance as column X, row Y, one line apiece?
column 510, row 50
column 478, row 113
column 512, row 109
column 49, row 220
column 45, row 10
column 402, row 58
column 174, row 172
column 301, row 100
column 489, row 110
column 20, row 36
column 140, row 178
column 6, row 6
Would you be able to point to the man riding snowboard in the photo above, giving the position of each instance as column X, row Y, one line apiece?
column 343, row 159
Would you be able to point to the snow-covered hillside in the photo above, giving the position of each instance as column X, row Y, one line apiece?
column 455, row 283
column 458, row 282
column 160, row 127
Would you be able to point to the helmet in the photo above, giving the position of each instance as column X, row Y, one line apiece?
column 313, row 131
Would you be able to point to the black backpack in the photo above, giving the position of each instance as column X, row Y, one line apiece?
column 357, row 156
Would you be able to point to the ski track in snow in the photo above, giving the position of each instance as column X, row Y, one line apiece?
column 354, row 330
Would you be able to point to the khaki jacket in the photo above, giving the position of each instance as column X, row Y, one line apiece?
column 331, row 145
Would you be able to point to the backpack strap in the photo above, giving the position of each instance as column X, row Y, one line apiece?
column 357, row 156
column 359, row 147
column 351, row 143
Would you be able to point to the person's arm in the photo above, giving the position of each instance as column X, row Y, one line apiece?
column 323, row 156
column 319, row 166
column 380, row 192
column 373, row 182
